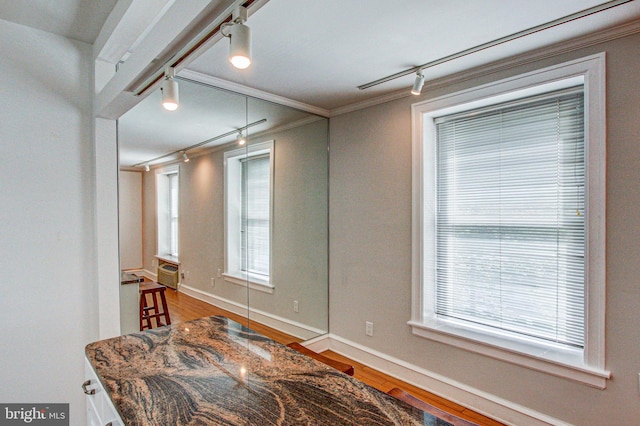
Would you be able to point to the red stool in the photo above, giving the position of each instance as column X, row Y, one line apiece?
column 154, row 310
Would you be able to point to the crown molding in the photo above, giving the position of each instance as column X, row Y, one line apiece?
column 254, row 93
column 131, row 169
column 398, row 94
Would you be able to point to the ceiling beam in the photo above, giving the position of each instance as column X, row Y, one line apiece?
column 183, row 29
column 128, row 21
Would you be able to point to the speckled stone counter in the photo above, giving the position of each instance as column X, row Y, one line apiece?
column 213, row 371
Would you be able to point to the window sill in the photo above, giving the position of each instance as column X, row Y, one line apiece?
column 252, row 282
column 168, row 258
column 552, row 360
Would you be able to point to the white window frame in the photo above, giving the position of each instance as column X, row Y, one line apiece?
column 232, row 220
column 585, row 366
column 162, row 198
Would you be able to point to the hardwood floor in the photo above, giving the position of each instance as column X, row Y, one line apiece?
column 184, row 308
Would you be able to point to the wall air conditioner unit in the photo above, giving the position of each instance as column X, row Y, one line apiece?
column 168, row 275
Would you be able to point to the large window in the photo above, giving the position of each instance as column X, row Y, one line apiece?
column 508, row 190
column 247, row 215
column 167, row 188
column 510, row 217
column 254, row 230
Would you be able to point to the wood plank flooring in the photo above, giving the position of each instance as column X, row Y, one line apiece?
column 184, row 308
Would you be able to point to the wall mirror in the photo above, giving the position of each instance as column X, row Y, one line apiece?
column 249, row 225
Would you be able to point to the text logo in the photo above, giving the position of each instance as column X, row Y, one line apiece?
column 34, row 414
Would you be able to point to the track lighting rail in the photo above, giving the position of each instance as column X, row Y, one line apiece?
column 502, row 40
column 181, row 58
column 183, row 151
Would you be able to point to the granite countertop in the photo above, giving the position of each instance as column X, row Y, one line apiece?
column 129, row 278
column 214, row 371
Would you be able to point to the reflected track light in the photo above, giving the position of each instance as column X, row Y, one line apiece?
column 240, row 36
column 241, row 139
column 418, row 83
column 169, row 90
column 183, row 151
column 185, row 157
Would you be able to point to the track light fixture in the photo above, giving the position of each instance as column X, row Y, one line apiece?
column 240, row 35
column 418, row 83
column 499, row 41
column 169, row 90
column 241, row 139
column 182, row 152
column 146, row 167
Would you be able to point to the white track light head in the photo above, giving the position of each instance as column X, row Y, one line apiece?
column 240, row 47
column 240, row 35
column 418, row 83
column 170, row 100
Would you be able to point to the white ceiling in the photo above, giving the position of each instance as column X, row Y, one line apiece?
column 317, row 52
column 77, row 19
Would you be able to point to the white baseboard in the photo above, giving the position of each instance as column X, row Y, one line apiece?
column 482, row 402
column 285, row 325
column 319, row 344
column 148, row 274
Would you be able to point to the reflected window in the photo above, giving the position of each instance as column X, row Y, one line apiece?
column 254, row 232
column 248, row 214
column 167, row 191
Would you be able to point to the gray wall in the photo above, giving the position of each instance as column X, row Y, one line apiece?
column 370, row 249
column 130, row 219
column 299, row 251
column 48, row 305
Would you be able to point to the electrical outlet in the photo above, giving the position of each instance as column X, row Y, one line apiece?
column 368, row 328
column 295, row 306
column 213, row 282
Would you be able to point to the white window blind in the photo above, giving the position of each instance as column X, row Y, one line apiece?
column 255, row 214
column 167, row 196
column 173, row 213
column 510, row 217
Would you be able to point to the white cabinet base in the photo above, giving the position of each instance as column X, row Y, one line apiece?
column 100, row 409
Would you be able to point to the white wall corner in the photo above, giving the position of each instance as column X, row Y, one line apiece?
column 107, row 251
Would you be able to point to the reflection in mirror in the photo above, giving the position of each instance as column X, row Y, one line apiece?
column 252, row 219
column 296, row 171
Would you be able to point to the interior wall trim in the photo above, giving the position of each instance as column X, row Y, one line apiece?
column 255, row 93
column 285, row 325
column 482, row 402
column 148, row 274
column 502, row 65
